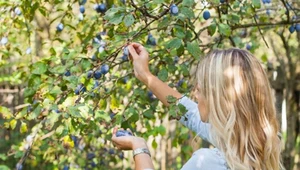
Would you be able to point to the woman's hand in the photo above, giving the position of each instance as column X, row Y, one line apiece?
column 128, row 142
column 140, row 58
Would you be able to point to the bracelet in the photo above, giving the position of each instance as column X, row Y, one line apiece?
column 141, row 150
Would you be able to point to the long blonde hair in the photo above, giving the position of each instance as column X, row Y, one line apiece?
column 241, row 109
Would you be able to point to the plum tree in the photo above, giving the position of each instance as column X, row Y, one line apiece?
column 79, row 85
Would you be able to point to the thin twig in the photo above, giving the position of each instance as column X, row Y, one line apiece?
column 261, row 32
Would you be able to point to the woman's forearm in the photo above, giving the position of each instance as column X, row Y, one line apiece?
column 143, row 162
column 160, row 89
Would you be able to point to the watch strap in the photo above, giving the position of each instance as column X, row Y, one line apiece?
column 141, row 150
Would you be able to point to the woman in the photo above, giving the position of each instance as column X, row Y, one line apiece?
column 235, row 113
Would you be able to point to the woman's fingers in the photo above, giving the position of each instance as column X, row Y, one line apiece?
column 140, row 50
column 115, row 130
column 133, row 54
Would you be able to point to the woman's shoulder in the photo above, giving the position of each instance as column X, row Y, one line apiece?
column 206, row 159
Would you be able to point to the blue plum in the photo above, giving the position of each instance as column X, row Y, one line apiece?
column 90, row 156
column 67, row 73
column 90, row 74
column 248, row 46
column 100, row 8
column 18, row 11
column 297, row 27
column 126, row 51
column 111, row 151
column 151, row 40
column 174, row 9
column 97, row 74
column 123, row 133
column 80, row 89
column 206, row 15
column 292, row 28
column 176, row 59
column 60, row 27
column 81, row 9
column 124, row 58
column 104, row 69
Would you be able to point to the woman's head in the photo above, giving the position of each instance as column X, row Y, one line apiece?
column 241, row 108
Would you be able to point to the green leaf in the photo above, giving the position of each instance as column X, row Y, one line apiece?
column 102, row 115
column 58, row 69
column 59, row 130
column 188, row 3
column 158, row 1
column 154, row 144
column 3, row 157
column 182, row 109
column 39, row 68
column 5, row 112
column 4, row 167
column 163, row 74
column 171, row 99
column 256, row 3
column 36, row 112
column 55, row 91
column 174, row 43
column 86, row 64
column 23, row 128
column 73, row 110
column 34, row 81
column 161, row 130
column 188, row 12
column 172, row 111
column 52, row 118
column 117, row 19
column 13, row 123
column 224, row 29
column 212, row 29
column 180, row 33
column 164, row 23
column 194, row 49
column 84, row 111
column 234, row 18
column 110, row 13
column 264, row 58
column 149, row 114
column 29, row 92
column 128, row 20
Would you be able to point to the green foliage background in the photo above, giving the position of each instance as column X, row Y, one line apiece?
column 120, row 99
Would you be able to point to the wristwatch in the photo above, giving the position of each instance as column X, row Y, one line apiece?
column 141, row 150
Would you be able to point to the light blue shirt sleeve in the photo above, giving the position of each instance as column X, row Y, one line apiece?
column 202, row 159
column 192, row 119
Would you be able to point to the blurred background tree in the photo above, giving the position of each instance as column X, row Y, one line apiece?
column 65, row 82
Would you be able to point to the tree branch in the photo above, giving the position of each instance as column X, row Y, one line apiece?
column 264, row 24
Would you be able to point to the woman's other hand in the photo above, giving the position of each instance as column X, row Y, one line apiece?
column 127, row 142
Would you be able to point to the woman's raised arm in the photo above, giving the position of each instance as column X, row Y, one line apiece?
column 140, row 58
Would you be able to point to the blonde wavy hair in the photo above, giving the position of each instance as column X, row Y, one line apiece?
column 241, row 109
